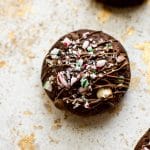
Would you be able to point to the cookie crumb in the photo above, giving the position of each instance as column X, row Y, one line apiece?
column 27, row 143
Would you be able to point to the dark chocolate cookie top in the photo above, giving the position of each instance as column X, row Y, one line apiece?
column 86, row 70
column 144, row 143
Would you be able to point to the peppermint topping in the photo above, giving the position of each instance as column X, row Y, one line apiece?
column 61, row 80
column 54, row 53
column 90, row 49
column 85, row 44
column 85, row 35
column 83, row 66
column 84, row 82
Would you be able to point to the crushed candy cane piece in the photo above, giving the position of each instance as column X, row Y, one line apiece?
column 85, row 34
column 101, row 63
column 61, row 80
column 120, row 58
column 84, row 82
column 73, row 80
column 85, row 44
column 93, row 75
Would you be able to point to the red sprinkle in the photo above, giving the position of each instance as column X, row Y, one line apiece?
column 65, row 44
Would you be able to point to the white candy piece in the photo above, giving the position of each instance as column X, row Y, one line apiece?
column 93, row 66
column 80, row 61
column 104, row 92
column 85, row 44
column 85, row 34
column 76, row 105
column 93, row 76
column 86, row 105
column 101, row 75
column 73, row 80
column 120, row 58
column 101, row 63
column 54, row 53
column 145, row 148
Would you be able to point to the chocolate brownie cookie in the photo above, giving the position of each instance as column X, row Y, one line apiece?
column 144, row 143
column 122, row 3
column 85, row 72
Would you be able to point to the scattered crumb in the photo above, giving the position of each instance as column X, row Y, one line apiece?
column 148, row 75
column 18, row 8
column 57, row 124
column 52, row 140
column 136, row 117
column 135, row 82
column 72, row 6
column 145, row 48
column 147, row 91
column 133, row 65
column 129, row 32
column 12, row 37
column 31, row 55
column 25, row 9
column 104, row 15
column 21, row 1
column 66, row 115
column 2, row 63
column 48, row 106
column 124, row 139
column 37, row 85
column 27, row 113
column 116, row 110
column 2, row 52
column 38, row 127
column 27, row 143
column 20, row 124
column 15, row 131
column 83, row 125
column 142, row 108
column 28, row 54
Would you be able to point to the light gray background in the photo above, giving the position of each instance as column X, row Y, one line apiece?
column 28, row 28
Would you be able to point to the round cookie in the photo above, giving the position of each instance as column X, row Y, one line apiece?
column 122, row 3
column 144, row 142
column 86, row 72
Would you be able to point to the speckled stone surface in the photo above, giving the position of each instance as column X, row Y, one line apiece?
column 28, row 120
